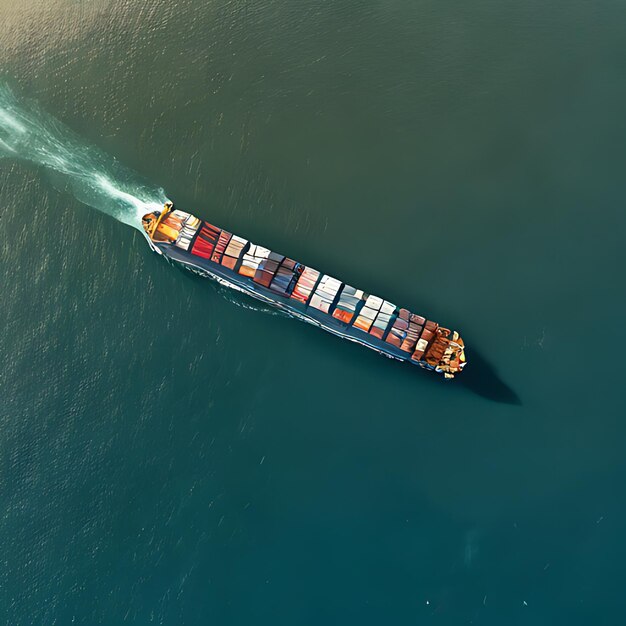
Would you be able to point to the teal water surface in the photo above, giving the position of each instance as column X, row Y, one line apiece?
column 169, row 455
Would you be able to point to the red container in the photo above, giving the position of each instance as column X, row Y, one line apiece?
column 394, row 340
column 427, row 335
column 377, row 332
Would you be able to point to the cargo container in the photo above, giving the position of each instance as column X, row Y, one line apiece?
column 303, row 292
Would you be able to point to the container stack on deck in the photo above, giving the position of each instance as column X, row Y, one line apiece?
column 349, row 301
column 220, row 246
column 252, row 259
column 234, row 251
column 286, row 276
column 267, row 269
column 205, row 241
column 325, row 294
column 375, row 315
column 421, row 340
column 307, row 281
column 187, row 232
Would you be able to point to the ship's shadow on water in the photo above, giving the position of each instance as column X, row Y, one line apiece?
column 481, row 377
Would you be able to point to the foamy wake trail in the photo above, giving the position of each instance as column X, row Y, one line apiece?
column 28, row 133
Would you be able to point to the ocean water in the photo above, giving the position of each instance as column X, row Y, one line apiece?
column 171, row 455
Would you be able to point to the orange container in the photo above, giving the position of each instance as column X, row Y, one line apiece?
column 377, row 332
column 344, row 316
column 244, row 270
column 229, row 262
column 362, row 323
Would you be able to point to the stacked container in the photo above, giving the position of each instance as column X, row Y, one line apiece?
column 267, row 269
column 189, row 229
column 252, row 259
column 383, row 319
column 368, row 313
column 285, row 278
column 233, row 252
column 304, row 286
column 398, row 331
column 205, row 241
column 406, row 330
column 325, row 293
column 416, row 325
column 220, row 246
column 428, row 335
column 349, row 301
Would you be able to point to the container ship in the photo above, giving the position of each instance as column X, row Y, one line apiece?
column 303, row 292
